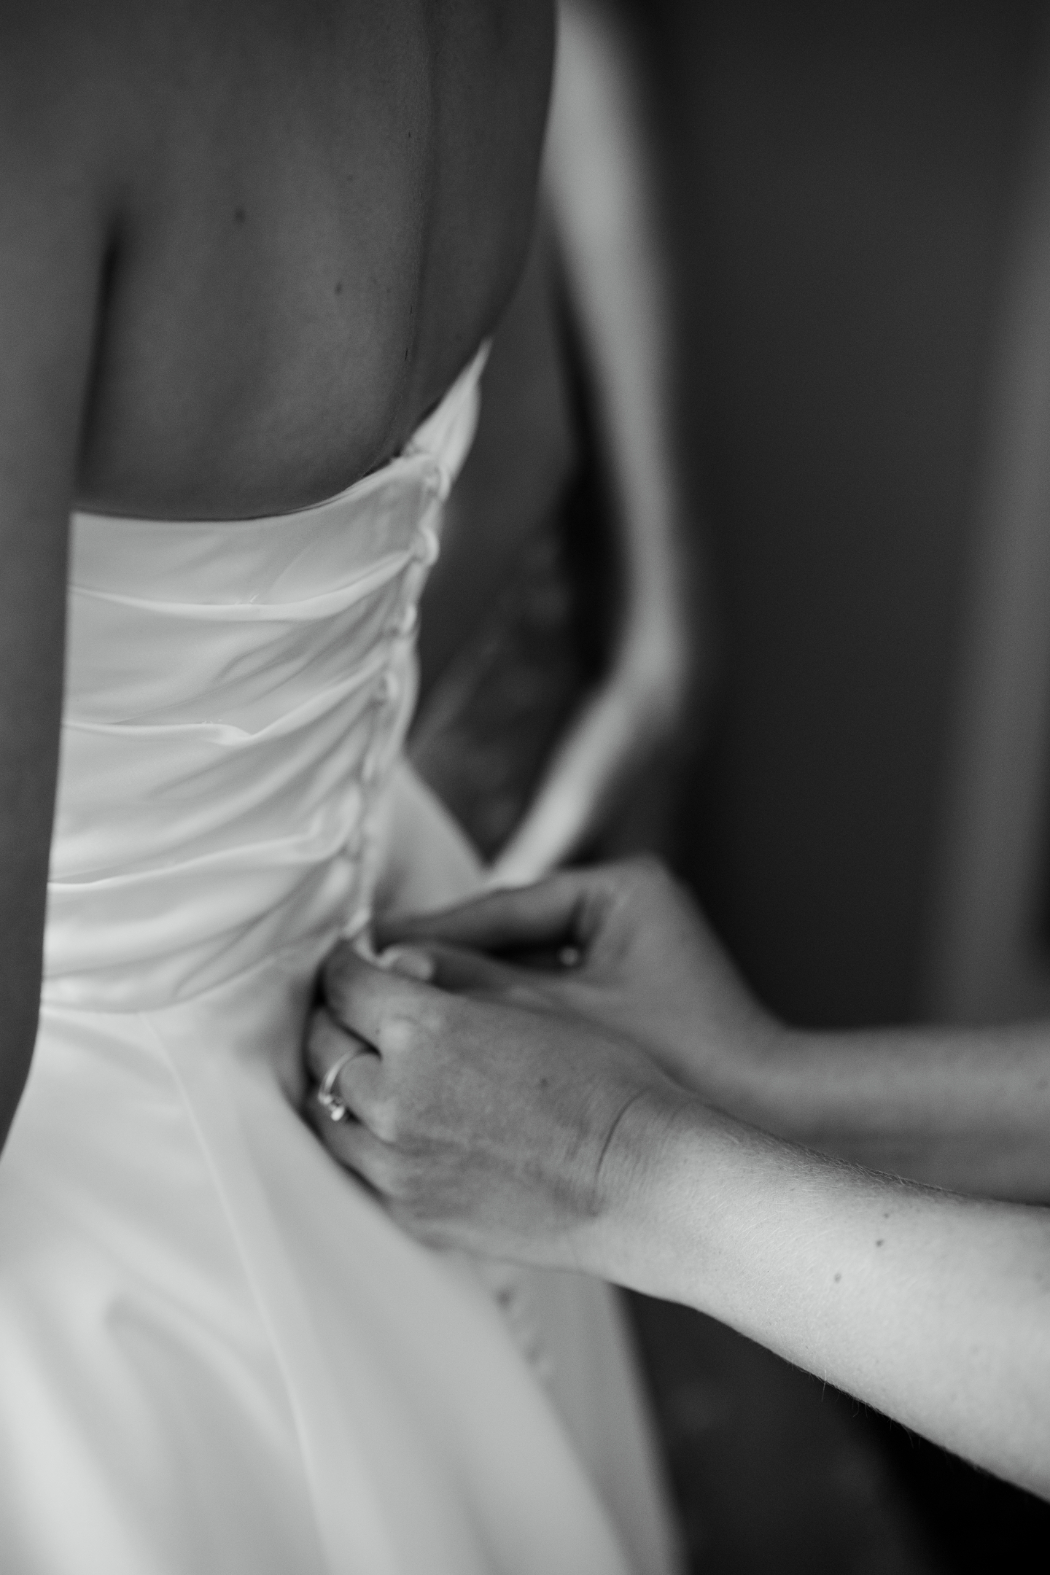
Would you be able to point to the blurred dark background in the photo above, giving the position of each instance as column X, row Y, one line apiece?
column 841, row 187
column 841, row 180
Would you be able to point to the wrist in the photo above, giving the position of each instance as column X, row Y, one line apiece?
column 651, row 674
column 780, row 1082
column 703, row 1185
column 628, row 1244
column 745, row 1068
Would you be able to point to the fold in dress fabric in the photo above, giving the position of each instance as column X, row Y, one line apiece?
column 217, row 1354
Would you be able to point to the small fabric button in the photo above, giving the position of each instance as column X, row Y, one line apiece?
column 405, row 624
column 387, row 689
column 425, row 548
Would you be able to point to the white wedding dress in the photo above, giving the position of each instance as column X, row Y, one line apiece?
column 217, row 1354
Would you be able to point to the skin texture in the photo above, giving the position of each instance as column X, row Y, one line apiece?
column 536, row 1076
column 963, row 1109
column 246, row 246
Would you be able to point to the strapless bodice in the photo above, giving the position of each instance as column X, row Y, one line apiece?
column 215, row 1347
column 236, row 695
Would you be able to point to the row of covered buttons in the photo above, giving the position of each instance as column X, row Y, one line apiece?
column 422, row 554
column 387, row 692
column 385, row 697
column 426, row 547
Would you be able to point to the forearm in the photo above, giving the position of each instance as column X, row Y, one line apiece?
column 601, row 179
column 967, row 1109
column 613, row 735
column 25, row 826
column 932, row 1308
column 14, row 1070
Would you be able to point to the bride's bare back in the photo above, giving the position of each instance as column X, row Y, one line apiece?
column 324, row 208
column 246, row 245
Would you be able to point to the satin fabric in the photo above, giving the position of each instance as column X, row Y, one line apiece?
column 217, row 1354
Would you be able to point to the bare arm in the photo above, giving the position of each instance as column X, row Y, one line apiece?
column 933, row 1308
column 491, row 1118
column 967, row 1109
column 51, row 244
column 600, row 182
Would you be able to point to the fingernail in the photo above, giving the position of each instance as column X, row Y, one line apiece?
column 408, row 961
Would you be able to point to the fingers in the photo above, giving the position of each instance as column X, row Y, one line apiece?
column 327, row 1042
column 549, row 914
column 390, row 1011
column 355, row 1147
column 342, row 1065
column 409, row 961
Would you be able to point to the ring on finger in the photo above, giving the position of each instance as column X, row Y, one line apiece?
column 327, row 1095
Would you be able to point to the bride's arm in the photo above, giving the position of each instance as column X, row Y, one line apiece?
column 601, row 180
column 427, row 861
column 51, row 245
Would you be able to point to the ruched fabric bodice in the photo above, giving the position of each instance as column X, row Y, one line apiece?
column 236, row 695
column 218, row 1354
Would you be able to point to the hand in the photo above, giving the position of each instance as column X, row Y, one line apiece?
column 645, row 965
column 500, row 1126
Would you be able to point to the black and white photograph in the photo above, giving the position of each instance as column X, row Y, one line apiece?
column 524, row 787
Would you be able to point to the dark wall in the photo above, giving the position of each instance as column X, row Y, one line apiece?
column 839, row 178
